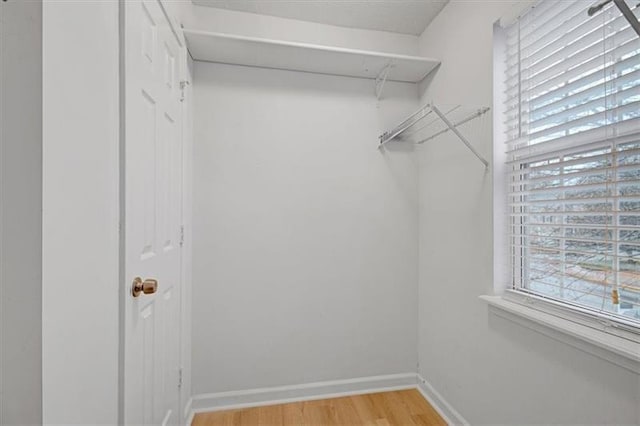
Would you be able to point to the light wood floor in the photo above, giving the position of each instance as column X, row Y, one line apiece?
column 400, row 408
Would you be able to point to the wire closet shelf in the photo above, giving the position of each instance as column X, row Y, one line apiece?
column 430, row 121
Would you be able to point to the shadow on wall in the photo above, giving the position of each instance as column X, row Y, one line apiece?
column 396, row 165
column 563, row 368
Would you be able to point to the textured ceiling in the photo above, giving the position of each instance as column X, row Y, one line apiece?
column 399, row 16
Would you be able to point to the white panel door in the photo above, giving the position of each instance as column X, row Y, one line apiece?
column 152, row 206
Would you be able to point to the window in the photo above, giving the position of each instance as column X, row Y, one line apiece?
column 572, row 123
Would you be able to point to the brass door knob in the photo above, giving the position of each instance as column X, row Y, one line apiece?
column 148, row 286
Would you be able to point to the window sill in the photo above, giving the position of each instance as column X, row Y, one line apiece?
column 618, row 350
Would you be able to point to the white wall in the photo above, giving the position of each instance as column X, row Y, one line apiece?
column 80, row 295
column 304, row 233
column 271, row 27
column 490, row 369
column 20, row 212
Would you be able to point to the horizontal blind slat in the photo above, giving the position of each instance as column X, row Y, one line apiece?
column 577, row 64
column 621, row 131
column 583, row 110
column 563, row 251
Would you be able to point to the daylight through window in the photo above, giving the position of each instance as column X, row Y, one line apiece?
column 572, row 119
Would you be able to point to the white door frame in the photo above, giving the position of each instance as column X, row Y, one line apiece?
column 82, row 342
column 80, row 283
column 187, row 202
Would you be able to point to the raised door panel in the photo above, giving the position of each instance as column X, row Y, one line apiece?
column 153, row 186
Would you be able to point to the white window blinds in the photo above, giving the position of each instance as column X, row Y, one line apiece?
column 572, row 119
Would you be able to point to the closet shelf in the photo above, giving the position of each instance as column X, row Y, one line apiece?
column 429, row 122
column 259, row 52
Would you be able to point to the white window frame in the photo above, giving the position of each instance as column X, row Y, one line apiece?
column 602, row 335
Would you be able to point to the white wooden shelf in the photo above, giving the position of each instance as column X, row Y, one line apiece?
column 259, row 52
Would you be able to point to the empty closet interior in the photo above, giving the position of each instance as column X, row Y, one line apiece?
column 342, row 220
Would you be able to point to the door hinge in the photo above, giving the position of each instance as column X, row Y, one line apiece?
column 183, row 86
column 180, row 378
column 181, row 235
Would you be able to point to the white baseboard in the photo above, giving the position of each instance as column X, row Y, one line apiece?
column 446, row 411
column 187, row 413
column 304, row 392
column 321, row 390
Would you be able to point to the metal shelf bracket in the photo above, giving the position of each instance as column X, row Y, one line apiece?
column 381, row 79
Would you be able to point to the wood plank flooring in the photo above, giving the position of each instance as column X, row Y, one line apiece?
column 399, row 408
